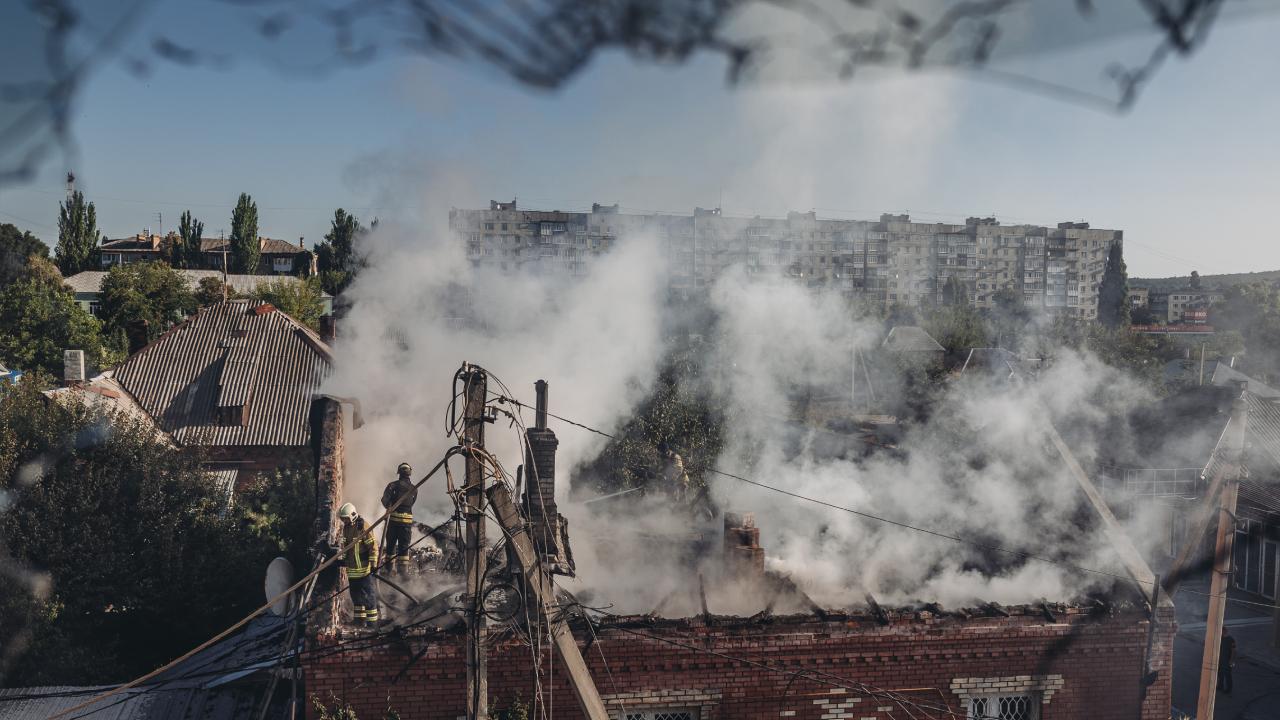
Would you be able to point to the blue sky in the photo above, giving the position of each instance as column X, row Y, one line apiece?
column 1188, row 174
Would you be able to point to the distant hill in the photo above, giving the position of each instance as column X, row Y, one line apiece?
column 1216, row 282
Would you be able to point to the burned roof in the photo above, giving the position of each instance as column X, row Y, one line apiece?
column 236, row 373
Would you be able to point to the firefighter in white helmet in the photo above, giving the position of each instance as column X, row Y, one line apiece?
column 398, row 498
column 362, row 558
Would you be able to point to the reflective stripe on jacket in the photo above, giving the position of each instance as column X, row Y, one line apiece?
column 363, row 555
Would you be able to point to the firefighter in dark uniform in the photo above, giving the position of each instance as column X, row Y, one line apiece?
column 362, row 558
column 400, row 520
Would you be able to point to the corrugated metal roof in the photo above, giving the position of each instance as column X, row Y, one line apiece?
column 268, row 245
column 1225, row 375
column 910, row 338
column 180, row 378
column 103, row 391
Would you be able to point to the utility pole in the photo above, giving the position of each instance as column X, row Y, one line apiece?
column 1222, row 552
column 475, row 384
column 224, row 265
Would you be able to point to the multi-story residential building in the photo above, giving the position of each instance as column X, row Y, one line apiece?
column 891, row 261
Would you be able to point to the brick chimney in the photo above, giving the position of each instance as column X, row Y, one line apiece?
column 328, row 328
column 743, row 556
column 547, row 525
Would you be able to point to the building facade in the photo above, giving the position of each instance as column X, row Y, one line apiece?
column 278, row 257
column 890, row 261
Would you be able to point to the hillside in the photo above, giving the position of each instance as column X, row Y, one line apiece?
column 1206, row 281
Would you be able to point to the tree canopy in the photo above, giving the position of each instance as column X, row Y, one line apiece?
column 298, row 298
column 336, row 257
column 185, row 251
column 245, row 249
column 123, row 553
column 40, row 318
column 1113, row 293
column 144, row 299
column 77, row 249
column 17, row 247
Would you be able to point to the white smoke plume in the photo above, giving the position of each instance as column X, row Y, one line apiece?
column 980, row 469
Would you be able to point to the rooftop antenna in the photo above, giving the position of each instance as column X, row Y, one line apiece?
column 160, row 223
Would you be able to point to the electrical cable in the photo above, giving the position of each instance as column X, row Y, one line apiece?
column 889, row 521
column 241, row 623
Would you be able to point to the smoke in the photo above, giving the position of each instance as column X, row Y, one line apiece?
column 980, row 468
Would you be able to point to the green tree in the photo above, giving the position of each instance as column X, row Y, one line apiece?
column 1253, row 311
column 77, row 236
column 185, row 253
column 210, row 290
column 680, row 414
column 144, row 299
column 141, row 557
column 336, row 258
column 957, row 329
column 299, row 298
column 1113, row 293
column 954, row 292
column 39, row 319
column 245, row 248
column 16, row 250
column 1195, row 280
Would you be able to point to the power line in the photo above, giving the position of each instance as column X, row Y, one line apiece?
column 897, row 523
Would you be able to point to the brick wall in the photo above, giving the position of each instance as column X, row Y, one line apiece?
column 1079, row 666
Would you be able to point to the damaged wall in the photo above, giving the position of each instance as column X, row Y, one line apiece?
column 1077, row 664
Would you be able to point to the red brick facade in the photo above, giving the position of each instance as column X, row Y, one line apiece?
column 1076, row 666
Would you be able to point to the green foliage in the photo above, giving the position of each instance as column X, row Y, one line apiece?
column 141, row 559
column 1253, row 312
column 298, row 298
column 185, row 252
column 338, row 709
column 336, row 258
column 209, row 291
column 957, row 328
column 954, row 292
column 39, row 318
column 518, row 709
column 679, row 413
column 16, row 250
column 1113, row 293
column 278, row 509
column 77, row 236
column 144, row 299
column 1142, row 315
column 1195, row 280
column 245, row 249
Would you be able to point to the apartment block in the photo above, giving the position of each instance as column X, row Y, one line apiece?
column 891, row 261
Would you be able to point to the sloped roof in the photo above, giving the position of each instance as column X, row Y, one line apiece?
column 268, row 245
column 1224, row 375
column 203, row 687
column 1261, row 490
column 102, row 391
column 90, row 281
column 910, row 338
column 232, row 354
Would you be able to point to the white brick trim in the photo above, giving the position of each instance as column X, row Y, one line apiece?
column 1046, row 685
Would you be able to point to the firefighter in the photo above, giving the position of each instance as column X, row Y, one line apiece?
column 676, row 478
column 400, row 521
column 362, row 558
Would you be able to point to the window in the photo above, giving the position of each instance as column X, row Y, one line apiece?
column 282, row 264
column 1004, row 707
column 666, row 714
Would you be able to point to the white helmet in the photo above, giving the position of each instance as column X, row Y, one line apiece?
column 347, row 511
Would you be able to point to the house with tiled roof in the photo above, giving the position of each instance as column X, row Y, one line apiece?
column 236, row 379
column 278, row 257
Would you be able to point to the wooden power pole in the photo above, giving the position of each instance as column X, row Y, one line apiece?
column 475, row 383
column 1222, row 555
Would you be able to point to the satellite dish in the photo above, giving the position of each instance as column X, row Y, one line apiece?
column 279, row 578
